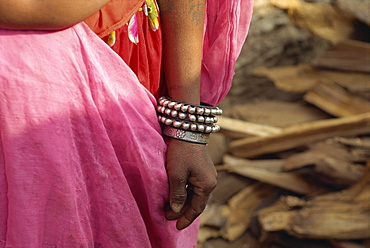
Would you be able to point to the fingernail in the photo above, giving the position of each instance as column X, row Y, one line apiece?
column 176, row 207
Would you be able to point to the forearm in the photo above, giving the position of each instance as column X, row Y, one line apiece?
column 46, row 14
column 182, row 24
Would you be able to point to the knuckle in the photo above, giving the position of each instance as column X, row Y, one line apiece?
column 176, row 178
column 195, row 212
column 209, row 185
column 178, row 198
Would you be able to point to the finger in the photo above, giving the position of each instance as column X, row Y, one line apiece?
column 178, row 192
column 196, row 207
column 171, row 215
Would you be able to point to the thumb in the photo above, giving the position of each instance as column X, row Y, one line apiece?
column 178, row 192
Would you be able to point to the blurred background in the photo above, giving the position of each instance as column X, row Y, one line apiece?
column 293, row 156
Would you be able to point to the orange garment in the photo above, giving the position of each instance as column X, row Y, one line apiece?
column 112, row 16
column 144, row 58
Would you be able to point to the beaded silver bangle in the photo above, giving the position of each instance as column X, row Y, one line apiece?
column 191, row 126
column 189, row 108
column 188, row 122
column 199, row 138
column 185, row 116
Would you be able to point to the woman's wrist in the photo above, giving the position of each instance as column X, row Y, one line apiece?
column 186, row 121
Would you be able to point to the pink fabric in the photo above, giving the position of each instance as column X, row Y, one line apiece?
column 82, row 155
column 82, row 158
column 226, row 27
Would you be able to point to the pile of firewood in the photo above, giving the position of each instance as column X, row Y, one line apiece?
column 297, row 174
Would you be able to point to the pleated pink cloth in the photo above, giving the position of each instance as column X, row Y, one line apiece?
column 82, row 158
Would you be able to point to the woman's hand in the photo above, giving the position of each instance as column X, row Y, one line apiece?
column 192, row 178
column 187, row 163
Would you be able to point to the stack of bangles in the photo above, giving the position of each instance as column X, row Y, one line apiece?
column 187, row 122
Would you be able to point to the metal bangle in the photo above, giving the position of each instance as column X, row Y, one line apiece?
column 185, row 116
column 199, row 138
column 191, row 126
column 205, row 109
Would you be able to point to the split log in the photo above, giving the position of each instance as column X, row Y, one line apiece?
column 289, row 181
column 243, row 206
column 243, row 128
column 301, row 134
column 228, row 185
column 346, row 244
column 319, row 220
column 348, row 55
column 215, row 216
column 275, row 114
column 303, row 77
column 331, row 164
column 299, row 78
column 322, row 20
column 272, row 165
column 207, row 232
column 343, row 215
column 359, row 147
column 336, row 100
column 358, row 8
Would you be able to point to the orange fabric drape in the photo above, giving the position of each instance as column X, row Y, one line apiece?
column 144, row 58
column 112, row 16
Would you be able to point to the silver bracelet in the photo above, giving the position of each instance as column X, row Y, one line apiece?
column 191, row 126
column 199, row 138
column 189, row 108
column 185, row 116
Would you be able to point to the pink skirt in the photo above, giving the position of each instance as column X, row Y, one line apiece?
column 82, row 158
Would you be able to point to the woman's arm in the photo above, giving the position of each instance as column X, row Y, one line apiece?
column 46, row 14
column 187, row 163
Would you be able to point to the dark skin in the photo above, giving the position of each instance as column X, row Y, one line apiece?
column 182, row 24
column 187, row 163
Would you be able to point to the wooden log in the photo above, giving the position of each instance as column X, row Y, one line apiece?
column 348, row 55
column 285, row 180
column 228, row 185
column 319, row 220
column 273, row 165
column 303, row 77
column 243, row 206
column 346, row 244
column 215, row 216
column 207, row 232
column 357, row 8
column 298, row 78
column 246, row 128
column 276, row 114
column 336, row 172
column 322, row 20
column 330, row 163
column 343, row 215
column 301, row 134
column 336, row 101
